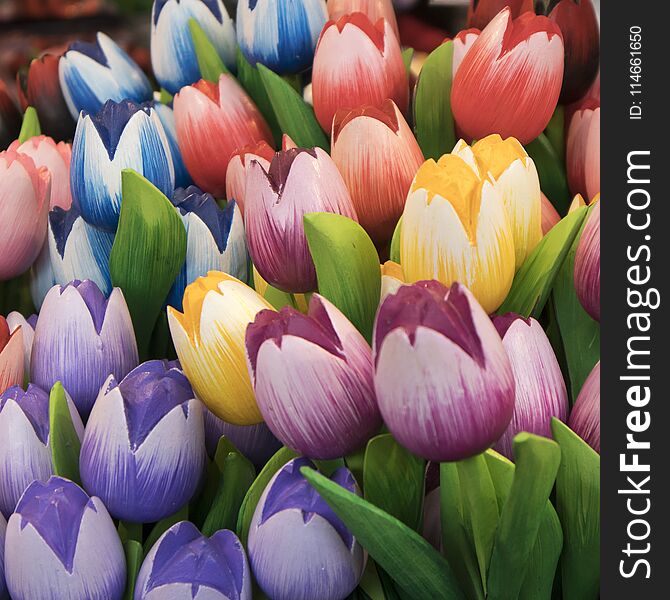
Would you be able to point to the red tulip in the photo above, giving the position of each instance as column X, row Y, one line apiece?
column 357, row 64
column 373, row 9
column 213, row 121
column 510, row 79
column 378, row 156
column 482, row 12
column 463, row 41
column 237, row 169
column 581, row 38
column 583, row 150
column 10, row 118
column 11, row 356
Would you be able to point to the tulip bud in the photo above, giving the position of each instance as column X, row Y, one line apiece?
column 481, row 12
column 462, row 41
column 183, row 563
column 256, row 442
column 357, row 63
column 214, row 240
column 540, row 392
column 24, row 203
column 209, row 339
column 120, row 136
column 39, row 87
column 298, row 548
column 372, row 9
column 173, row 56
column 11, row 356
column 585, row 416
column 3, row 584
column 583, row 150
column 312, row 375
column 280, row 34
column 587, row 265
column 519, row 64
column 92, row 73
column 16, row 320
column 166, row 116
column 62, row 543
column 432, row 524
column 581, row 38
column 299, row 181
column 25, row 453
column 80, row 339
column 236, row 174
column 549, row 215
column 56, row 159
column 377, row 154
column 143, row 451
column 444, row 383
column 10, row 118
column 513, row 174
column 213, row 122
column 455, row 228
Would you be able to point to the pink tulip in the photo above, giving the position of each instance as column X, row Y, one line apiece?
column 587, row 265
column 583, row 150
column 378, row 156
column 56, row 158
column 11, row 356
column 549, row 215
column 463, row 41
column 214, row 121
column 373, row 9
column 585, row 416
column 24, row 205
column 237, row 169
column 357, row 64
column 510, row 80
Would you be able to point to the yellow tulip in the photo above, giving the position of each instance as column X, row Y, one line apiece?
column 513, row 174
column 209, row 339
column 455, row 228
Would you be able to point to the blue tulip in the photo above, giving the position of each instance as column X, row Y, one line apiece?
column 280, row 34
column 215, row 240
column 172, row 53
column 62, row 544
column 166, row 115
column 42, row 277
column 122, row 135
column 298, row 548
column 144, row 452
column 92, row 73
column 183, row 565
column 25, row 452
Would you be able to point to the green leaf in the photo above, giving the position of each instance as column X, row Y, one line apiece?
column 579, row 332
column 480, row 508
column 294, row 115
column 415, row 566
column 165, row 96
column 555, row 132
column 251, row 81
column 534, row 280
column 407, row 56
column 63, row 439
column 394, row 480
column 134, row 556
column 537, row 461
column 210, row 63
column 163, row 525
column 339, row 245
column 456, row 544
column 30, row 126
column 394, row 252
column 370, row 582
column 553, row 180
column 253, row 495
column 328, row 467
column 130, row 531
column 433, row 121
column 148, row 252
column 578, row 505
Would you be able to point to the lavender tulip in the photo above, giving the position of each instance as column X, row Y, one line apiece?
column 25, row 452
column 3, row 585
column 444, row 384
column 540, row 392
column 256, row 442
column 62, row 545
column 585, row 416
column 184, row 565
column 312, row 375
column 298, row 548
column 143, row 452
column 80, row 338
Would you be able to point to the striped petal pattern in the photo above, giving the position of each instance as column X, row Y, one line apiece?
column 236, row 174
column 585, row 416
column 166, row 116
column 373, row 9
column 16, row 320
column 587, row 265
column 11, row 356
column 583, row 150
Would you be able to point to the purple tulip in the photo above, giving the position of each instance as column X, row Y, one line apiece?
column 256, row 442
column 3, row 585
column 587, row 265
column 143, row 452
column 444, row 384
column 540, row 392
column 312, row 375
column 184, row 565
column 62, row 544
column 585, row 416
column 25, row 451
column 298, row 548
column 80, row 339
